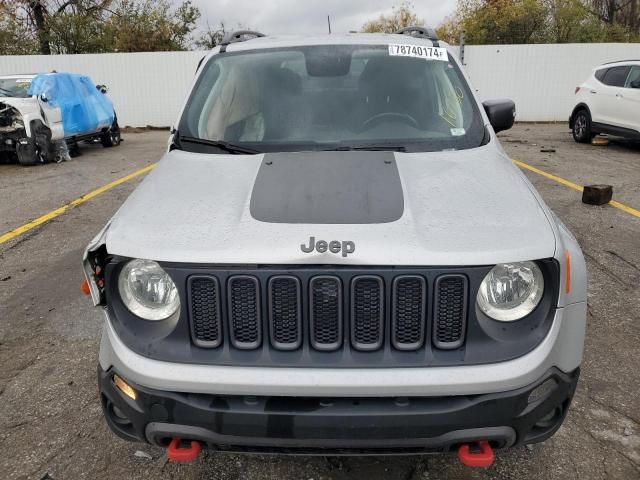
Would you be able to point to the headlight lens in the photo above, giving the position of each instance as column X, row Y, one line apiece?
column 511, row 291
column 147, row 290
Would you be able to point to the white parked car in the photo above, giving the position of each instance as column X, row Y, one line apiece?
column 608, row 102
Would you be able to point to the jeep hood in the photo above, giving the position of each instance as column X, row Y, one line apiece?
column 471, row 207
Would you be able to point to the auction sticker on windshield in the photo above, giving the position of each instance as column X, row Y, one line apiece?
column 417, row 51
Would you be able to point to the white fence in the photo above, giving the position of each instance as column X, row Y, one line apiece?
column 541, row 79
column 146, row 88
column 149, row 88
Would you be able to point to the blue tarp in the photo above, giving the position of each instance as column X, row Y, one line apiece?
column 84, row 109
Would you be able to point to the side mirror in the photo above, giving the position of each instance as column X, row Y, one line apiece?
column 635, row 84
column 501, row 113
column 102, row 88
column 44, row 98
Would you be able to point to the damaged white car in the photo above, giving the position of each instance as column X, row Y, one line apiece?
column 41, row 116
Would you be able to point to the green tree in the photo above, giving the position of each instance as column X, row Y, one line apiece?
column 51, row 26
column 151, row 25
column 16, row 38
column 502, row 21
column 536, row 21
column 78, row 27
column 95, row 26
column 401, row 16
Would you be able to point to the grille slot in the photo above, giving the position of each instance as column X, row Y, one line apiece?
column 450, row 311
column 325, row 312
column 204, row 306
column 367, row 312
column 408, row 314
column 244, row 312
column 285, row 323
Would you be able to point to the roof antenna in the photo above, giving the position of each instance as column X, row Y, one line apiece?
column 329, row 23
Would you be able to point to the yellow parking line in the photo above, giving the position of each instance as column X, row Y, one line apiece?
column 74, row 203
column 567, row 183
column 625, row 208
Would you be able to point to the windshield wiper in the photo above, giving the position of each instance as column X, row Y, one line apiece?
column 225, row 146
column 370, row 148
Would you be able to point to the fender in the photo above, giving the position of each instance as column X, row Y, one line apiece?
column 580, row 106
column 569, row 256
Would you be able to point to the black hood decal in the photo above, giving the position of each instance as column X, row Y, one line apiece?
column 328, row 188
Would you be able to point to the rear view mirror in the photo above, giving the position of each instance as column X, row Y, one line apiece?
column 501, row 113
column 44, row 98
column 102, row 88
column 324, row 65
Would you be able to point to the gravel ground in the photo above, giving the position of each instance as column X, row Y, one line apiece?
column 51, row 426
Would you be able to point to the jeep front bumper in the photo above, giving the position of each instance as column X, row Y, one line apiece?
column 313, row 425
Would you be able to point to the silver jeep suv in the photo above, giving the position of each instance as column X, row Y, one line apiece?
column 335, row 255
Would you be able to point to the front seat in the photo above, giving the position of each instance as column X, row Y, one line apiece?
column 282, row 106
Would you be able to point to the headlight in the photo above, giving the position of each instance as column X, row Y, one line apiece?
column 511, row 291
column 147, row 290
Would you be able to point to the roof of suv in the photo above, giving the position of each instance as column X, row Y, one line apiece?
column 278, row 41
column 618, row 63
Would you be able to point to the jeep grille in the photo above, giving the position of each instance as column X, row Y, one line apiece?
column 296, row 314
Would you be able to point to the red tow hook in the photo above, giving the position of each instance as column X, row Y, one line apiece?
column 177, row 453
column 482, row 455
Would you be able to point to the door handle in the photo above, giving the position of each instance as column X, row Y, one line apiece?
column 619, row 95
column 593, row 91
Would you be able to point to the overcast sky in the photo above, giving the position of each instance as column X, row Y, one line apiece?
column 310, row 16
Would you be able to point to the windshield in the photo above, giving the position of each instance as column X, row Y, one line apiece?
column 15, row 87
column 331, row 97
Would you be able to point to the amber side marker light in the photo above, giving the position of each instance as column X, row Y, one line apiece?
column 124, row 387
column 84, row 286
column 567, row 280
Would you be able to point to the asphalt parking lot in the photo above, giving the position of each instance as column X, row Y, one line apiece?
column 51, row 426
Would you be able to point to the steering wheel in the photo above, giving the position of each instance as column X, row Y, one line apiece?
column 381, row 117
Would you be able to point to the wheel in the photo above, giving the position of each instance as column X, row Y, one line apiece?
column 30, row 155
column 111, row 138
column 582, row 127
column 74, row 150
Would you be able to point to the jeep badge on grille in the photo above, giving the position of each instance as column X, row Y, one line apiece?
column 334, row 246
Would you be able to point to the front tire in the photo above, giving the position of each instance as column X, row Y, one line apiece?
column 582, row 127
column 111, row 138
